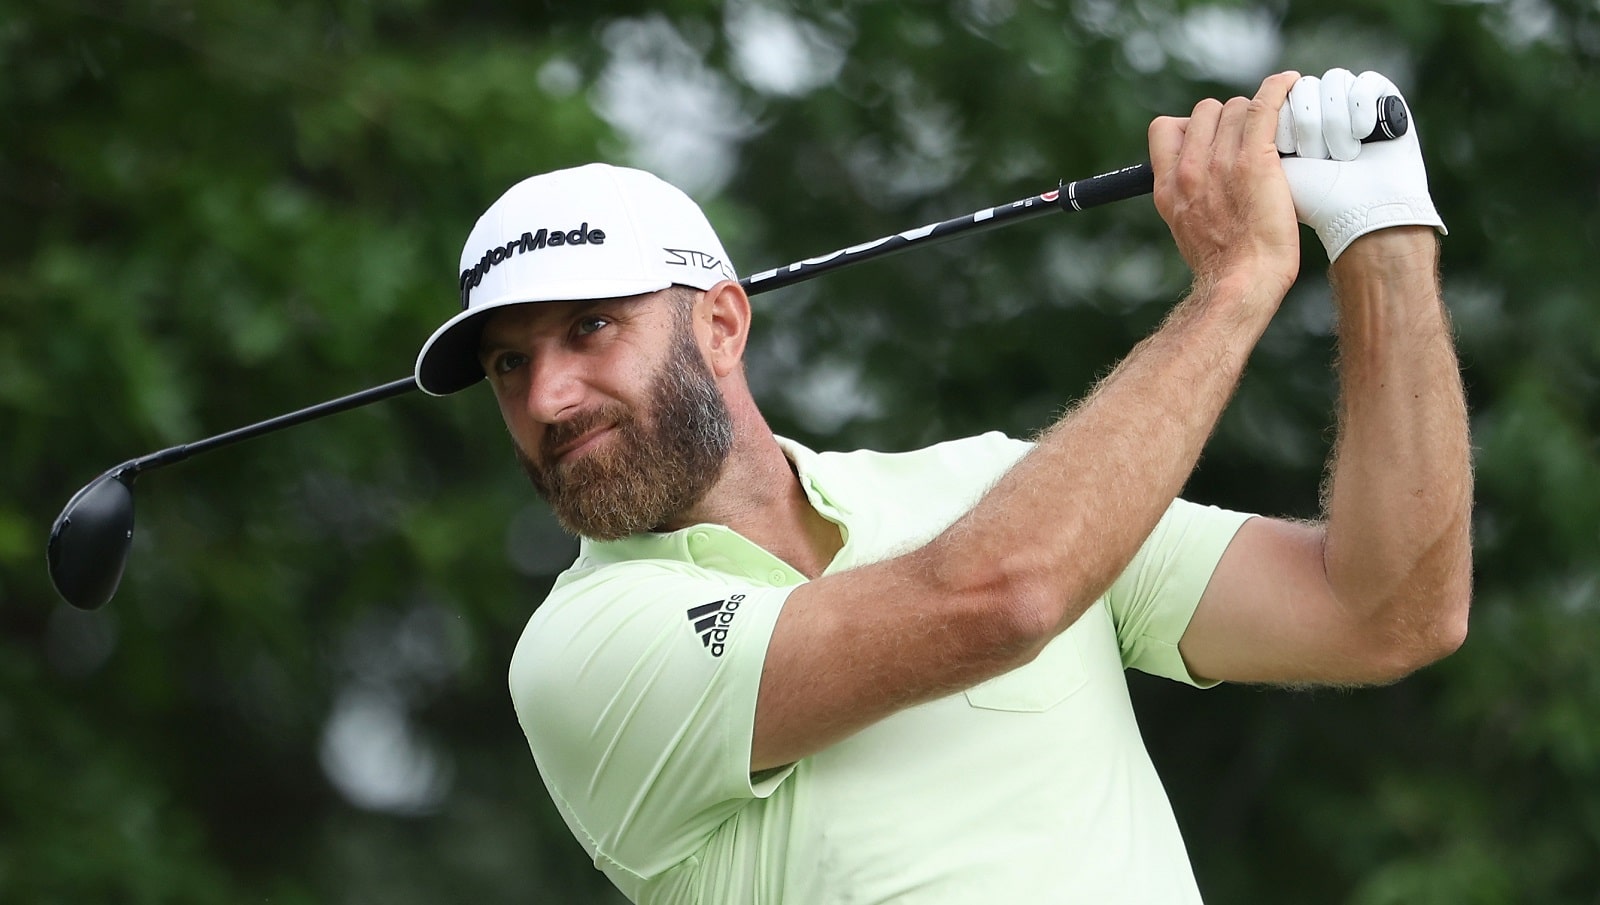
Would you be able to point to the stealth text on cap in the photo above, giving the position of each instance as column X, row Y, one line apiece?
column 583, row 235
column 688, row 257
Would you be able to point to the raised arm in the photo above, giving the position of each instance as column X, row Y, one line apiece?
column 1382, row 586
column 987, row 594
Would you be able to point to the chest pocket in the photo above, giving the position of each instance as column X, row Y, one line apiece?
column 1053, row 676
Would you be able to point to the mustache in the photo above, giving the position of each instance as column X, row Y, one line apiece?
column 559, row 435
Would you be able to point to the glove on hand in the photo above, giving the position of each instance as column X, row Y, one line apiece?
column 1363, row 187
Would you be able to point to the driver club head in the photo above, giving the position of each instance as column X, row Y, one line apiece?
column 90, row 538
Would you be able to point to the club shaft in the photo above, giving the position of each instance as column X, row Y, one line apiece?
column 1077, row 195
column 310, row 413
column 97, row 523
column 1080, row 194
column 1393, row 121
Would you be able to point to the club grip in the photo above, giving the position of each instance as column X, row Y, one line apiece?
column 1117, row 185
column 1139, row 179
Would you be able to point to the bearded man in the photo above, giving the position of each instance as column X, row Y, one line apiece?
column 777, row 675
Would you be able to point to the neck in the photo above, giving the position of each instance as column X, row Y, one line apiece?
column 759, row 495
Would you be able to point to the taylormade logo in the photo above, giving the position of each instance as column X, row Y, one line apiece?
column 544, row 238
column 711, row 621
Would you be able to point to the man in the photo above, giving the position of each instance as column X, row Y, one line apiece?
column 777, row 675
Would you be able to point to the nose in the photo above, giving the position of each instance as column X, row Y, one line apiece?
column 556, row 386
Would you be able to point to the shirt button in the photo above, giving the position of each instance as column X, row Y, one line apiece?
column 778, row 576
column 699, row 538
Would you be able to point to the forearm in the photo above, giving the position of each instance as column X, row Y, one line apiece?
column 1062, row 524
column 1052, row 534
column 985, row 595
column 1399, row 494
column 1067, row 520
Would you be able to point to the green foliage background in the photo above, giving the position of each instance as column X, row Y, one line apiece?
column 215, row 211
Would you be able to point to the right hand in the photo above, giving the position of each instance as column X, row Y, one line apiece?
column 1221, row 188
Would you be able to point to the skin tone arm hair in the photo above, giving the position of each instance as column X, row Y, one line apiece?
column 987, row 594
column 1378, row 589
column 1382, row 586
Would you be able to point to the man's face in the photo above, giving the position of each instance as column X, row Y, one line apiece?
column 631, row 445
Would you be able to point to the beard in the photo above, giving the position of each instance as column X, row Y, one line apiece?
column 658, row 462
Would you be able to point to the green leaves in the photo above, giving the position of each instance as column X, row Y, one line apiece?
column 216, row 212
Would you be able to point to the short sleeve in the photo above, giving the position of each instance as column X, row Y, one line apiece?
column 636, row 688
column 1154, row 598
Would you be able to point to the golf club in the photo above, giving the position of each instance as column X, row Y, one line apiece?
column 90, row 539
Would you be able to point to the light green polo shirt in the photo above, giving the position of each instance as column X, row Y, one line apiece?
column 635, row 683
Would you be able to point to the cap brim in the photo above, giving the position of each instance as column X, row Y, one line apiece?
column 448, row 362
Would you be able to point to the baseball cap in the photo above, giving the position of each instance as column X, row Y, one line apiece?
column 589, row 232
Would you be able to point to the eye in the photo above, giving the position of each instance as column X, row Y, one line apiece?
column 589, row 323
column 506, row 362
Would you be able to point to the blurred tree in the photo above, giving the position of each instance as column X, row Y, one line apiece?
column 215, row 211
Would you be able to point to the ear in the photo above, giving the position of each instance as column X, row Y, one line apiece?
column 722, row 325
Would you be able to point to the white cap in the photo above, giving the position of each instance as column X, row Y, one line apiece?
column 590, row 232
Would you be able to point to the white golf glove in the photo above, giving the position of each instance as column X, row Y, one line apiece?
column 1342, row 188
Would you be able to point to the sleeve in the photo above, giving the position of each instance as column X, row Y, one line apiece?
column 636, row 688
column 1154, row 598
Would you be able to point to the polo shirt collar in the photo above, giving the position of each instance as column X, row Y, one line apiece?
column 718, row 546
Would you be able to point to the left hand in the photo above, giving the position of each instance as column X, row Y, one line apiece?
column 1342, row 188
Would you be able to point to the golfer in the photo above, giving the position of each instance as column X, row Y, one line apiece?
column 781, row 675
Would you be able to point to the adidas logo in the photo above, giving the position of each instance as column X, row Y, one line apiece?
column 711, row 621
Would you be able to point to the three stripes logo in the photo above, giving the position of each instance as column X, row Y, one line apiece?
column 711, row 621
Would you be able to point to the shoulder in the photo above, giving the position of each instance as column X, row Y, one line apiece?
column 606, row 619
column 987, row 449
column 593, row 601
column 973, row 462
